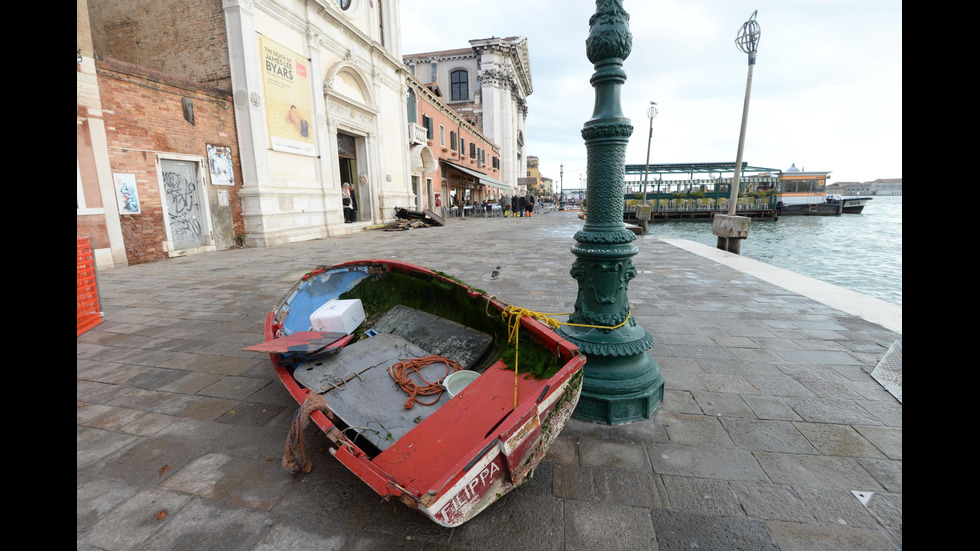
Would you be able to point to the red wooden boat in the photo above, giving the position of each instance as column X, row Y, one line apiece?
column 450, row 456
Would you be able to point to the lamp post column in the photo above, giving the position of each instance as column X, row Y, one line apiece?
column 561, row 186
column 622, row 382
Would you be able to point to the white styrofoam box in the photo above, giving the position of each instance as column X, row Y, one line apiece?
column 338, row 316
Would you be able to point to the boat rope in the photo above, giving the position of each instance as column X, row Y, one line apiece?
column 513, row 315
column 294, row 458
column 402, row 372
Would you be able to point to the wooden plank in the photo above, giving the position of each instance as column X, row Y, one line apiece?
column 302, row 342
column 459, row 429
column 359, row 390
column 440, row 336
column 440, row 221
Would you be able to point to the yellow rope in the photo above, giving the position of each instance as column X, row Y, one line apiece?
column 515, row 313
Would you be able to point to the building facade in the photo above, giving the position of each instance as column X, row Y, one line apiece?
column 174, row 160
column 453, row 163
column 319, row 96
column 97, row 214
column 316, row 92
column 488, row 85
column 886, row 186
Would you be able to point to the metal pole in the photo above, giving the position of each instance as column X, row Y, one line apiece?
column 651, row 113
column 741, row 137
column 731, row 229
column 747, row 40
column 561, row 185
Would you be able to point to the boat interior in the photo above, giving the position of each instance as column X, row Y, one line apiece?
column 356, row 380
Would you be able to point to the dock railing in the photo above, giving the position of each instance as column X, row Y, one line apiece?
column 699, row 207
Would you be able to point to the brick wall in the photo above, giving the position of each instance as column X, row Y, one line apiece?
column 184, row 38
column 144, row 116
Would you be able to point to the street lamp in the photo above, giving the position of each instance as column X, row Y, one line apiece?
column 621, row 382
column 732, row 229
column 561, row 185
column 651, row 114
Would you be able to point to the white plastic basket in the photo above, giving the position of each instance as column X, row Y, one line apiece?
column 456, row 382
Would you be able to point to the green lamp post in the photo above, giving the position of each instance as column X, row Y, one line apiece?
column 622, row 382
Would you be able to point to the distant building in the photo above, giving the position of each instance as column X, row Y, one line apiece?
column 488, row 85
column 533, row 174
column 881, row 186
column 857, row 188
column 452, row 162
column 886, row 186
column 547, row 186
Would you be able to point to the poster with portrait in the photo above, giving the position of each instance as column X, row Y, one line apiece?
column 288, row 105
column 127, row 196
column 219, row 160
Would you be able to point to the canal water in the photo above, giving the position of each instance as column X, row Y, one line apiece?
column 860, row 252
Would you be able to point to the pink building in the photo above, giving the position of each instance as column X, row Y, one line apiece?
column 453, row 163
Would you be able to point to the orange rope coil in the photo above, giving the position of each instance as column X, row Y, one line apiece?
column 401, row 372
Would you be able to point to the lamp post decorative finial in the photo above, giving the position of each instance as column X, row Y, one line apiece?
column 747, row 39
column 622, row 382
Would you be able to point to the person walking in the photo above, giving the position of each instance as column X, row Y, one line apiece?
column 529, row 203
column 518, row 205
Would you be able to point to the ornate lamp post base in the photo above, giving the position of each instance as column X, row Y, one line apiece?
column 620, row 390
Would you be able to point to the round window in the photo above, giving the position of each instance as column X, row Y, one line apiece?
column 344, row 4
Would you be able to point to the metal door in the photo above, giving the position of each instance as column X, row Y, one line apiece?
column 183, row 194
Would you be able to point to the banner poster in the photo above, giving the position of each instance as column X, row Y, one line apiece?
column 127, row 196
column 219, row 159
column 288, row 105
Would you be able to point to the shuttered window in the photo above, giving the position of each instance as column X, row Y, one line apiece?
column 459, row 81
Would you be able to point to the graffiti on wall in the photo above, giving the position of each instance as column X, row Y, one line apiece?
column 183, row 205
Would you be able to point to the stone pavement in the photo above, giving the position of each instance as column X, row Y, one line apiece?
column 773, row 433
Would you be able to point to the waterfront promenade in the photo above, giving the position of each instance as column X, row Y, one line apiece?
column 773, row 435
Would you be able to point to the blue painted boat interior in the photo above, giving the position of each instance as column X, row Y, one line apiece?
column 315, row 292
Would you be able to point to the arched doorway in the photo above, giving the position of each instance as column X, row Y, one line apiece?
column 347, row 161
column 423, row 165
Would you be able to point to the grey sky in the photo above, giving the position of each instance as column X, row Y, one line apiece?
column 826, row 90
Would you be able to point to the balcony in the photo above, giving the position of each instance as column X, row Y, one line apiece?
column 417, row 134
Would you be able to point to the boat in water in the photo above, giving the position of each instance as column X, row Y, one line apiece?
column 804, row 193
column 373, row 350
column 849, row 205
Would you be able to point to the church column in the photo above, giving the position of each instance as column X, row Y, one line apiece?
column 246, row 83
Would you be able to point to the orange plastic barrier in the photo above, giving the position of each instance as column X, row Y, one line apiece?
column 88, row 312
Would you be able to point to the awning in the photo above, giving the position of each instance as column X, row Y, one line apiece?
column 482, row 178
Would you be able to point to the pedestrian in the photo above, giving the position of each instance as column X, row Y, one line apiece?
column 529, row 202
column 348, row 203
column 505, row 205
column 518, row 205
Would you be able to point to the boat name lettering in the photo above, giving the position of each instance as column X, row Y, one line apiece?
column 468, row 491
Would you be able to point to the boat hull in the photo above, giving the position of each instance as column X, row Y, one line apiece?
column 810, row 209
column 854, row 205
column 475, row 447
